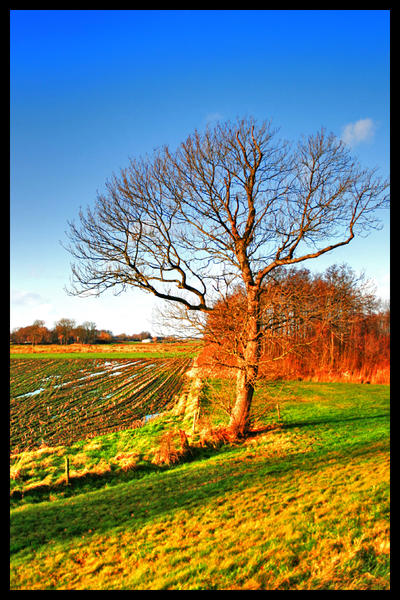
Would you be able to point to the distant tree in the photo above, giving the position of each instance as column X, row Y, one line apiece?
column 137, row 337
column 36, row 333
column 232, row 205
column 144, row 335
column 64, row 329
column 41, row 333
column 87, row 332
column 104, row 336
column 78, row 334
column 121, row 337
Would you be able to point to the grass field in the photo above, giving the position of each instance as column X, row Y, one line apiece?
column 301, row 506
column 136, row 350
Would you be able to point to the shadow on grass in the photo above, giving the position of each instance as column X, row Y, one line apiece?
column 132, row 504
column 82, row 483
column 332, row 419
column 90, row 481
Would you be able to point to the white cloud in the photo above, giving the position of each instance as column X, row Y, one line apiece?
column 360, row 131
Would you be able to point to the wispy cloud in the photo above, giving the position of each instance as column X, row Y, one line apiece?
column 22, row 298
column 358, row 132
column 212, row 117
column 26, row 307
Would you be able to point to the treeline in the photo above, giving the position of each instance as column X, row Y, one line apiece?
column 360, row 353
column 65, row 331
column 327, row 327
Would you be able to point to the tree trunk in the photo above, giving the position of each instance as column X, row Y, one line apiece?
column 240, row 413
column 248, row 371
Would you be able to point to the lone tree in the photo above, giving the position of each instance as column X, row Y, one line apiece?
column 229, row 206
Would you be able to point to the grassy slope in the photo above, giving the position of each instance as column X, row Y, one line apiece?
column 302, row 507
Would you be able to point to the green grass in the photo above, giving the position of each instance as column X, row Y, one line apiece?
column 305, row 506
column 99, row 462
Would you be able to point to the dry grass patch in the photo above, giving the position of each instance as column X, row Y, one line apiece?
column 173, row 448
column 127, row 460
column 26, row 464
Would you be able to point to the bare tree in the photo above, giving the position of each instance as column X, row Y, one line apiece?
column 64, row 329
column 89, row 332
column 230, row 205
column 35, row 334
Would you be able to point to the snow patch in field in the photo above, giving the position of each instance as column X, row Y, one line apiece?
column 149, row 417
column 31, row 393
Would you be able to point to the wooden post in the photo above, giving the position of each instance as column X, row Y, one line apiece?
column 279, row 412
column 66, row 470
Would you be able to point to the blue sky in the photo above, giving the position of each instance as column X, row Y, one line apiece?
column 91, row 88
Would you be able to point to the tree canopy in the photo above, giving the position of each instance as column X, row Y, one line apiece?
column 229, row 206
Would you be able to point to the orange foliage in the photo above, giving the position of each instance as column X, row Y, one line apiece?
column 321, row 328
